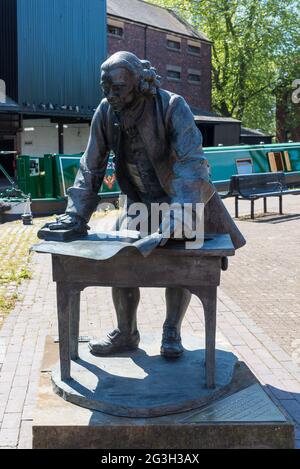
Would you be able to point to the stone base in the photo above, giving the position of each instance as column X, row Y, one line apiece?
column 244, row 417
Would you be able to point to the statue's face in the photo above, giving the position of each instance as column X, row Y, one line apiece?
column 119, row 88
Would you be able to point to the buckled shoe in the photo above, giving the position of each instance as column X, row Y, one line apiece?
column 115, row 341
column 171, row 346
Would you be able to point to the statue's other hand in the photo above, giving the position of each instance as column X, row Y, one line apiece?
column 163, row 242
column 166, row 228
column 68, row 222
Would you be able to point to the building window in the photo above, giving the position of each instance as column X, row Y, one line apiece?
column 115, row 30
column 174, row 45
column 174, row 75
column 195, row 50
column 194, row 78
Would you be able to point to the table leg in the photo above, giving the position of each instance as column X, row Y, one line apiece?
column 63, row 295
column 74, row 323
column 208, row 297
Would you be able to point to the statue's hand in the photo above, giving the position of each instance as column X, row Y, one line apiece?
column 172, row 226
column 166, row 229
column 68, row 222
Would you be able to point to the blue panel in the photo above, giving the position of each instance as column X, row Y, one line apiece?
column 61, row 44
column 8, row 45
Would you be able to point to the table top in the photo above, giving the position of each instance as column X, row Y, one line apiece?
column 95, row 246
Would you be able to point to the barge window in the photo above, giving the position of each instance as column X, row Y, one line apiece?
column 287, row 161
column 34, row 167
column 244, row 166
column 276, row 161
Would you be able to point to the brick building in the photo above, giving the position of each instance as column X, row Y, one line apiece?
column 180, row 55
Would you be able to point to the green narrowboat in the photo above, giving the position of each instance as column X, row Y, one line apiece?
column 245, row 159
column 47, row 178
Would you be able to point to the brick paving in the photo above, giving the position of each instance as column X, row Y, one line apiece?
column 258, row 316
column 266, row 274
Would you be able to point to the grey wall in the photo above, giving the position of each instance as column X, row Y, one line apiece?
column 227, row 134
column 8, row 47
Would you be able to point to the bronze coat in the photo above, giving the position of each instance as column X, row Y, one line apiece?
column 174, row 146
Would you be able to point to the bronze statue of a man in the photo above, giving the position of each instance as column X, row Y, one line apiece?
column 159, row 158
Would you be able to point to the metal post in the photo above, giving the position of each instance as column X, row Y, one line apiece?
column 236, row 207
column 252, row 209
column 280, row 205
column 60, row 138
column 265, row 205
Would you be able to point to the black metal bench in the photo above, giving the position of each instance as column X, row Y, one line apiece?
column 225, row 192
column 292, row 180
column 262, row 185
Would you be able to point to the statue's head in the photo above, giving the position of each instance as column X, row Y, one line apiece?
column 124, row 77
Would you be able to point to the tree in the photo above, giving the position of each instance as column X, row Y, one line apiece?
column 287, row 108
column 252, row 39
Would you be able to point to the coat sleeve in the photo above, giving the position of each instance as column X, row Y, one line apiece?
column 82, row 196
column 190, row 179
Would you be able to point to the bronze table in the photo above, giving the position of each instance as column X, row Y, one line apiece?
column 76, row 266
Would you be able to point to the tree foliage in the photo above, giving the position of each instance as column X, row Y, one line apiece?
column 255, row 52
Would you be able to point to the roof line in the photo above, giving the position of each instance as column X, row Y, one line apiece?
column 154, row 5
column 45, row 114
column 187, row 24
column 160, row 29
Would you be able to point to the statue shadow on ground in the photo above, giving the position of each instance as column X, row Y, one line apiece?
column 137, row 384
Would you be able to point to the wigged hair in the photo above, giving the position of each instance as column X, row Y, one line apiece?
column 146, row 77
